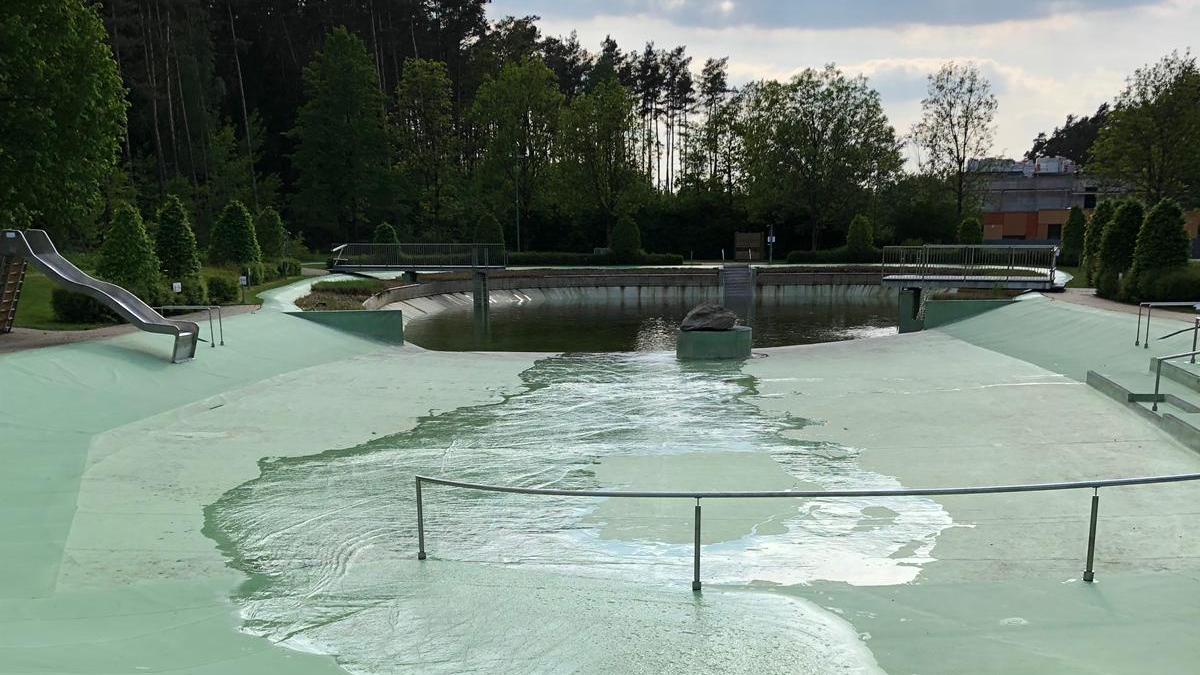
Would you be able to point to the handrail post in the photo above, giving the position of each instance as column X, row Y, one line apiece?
column 1137, row 339
column 696, row 551
column 220, row 324
column 1146, row 342
column 1194, row 332
column 1157, row 378
column 1088, row 573
column 420, row 522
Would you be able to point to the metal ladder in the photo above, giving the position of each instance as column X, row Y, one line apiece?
column 12, row 278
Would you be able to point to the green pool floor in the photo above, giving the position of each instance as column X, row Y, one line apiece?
column 111, row 453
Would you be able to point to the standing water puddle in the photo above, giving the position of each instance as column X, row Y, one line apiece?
column 521, row 583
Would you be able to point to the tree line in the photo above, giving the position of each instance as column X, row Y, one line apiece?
column 430, row 118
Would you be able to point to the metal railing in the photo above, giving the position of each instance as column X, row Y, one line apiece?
column 1194, row 330
column 1094, row 485
column 1158, row 363
column 971, row 263
column 409, row 256
column 209, row 308
column 1149, row 307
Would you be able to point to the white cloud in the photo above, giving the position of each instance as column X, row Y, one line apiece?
column 1042, row 68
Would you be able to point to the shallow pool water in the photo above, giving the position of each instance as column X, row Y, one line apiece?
column 520, row 583
column 647, row 319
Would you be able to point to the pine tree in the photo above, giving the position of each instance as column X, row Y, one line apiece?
column 127, row 256
column 268, row 229
column 1116, row 247
column 860, row 239
column 970, row 232
column 1072, row 237
column 233, row 239
column 1092, row 236
column 626, row 241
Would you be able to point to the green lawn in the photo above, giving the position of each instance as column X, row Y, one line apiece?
column 1076, row 277
column 35, row 311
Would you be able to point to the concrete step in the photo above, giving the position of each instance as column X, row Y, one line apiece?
column 1177, row 414
column 1180, row 371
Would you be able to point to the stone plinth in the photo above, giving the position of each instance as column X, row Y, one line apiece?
column 714, row 344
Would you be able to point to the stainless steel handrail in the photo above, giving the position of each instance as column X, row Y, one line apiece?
column 1158, row 361
column 1195, row 331
column 988, row 262
column 422, row 255
column 1149, row 306
column 209, row 308
column 1095, row 485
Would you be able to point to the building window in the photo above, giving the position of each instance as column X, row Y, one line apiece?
column 1014, row 236
column 1054, row 231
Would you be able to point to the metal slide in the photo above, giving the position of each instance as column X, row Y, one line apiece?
column 36, row 247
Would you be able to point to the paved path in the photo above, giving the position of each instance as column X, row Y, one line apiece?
column 31, row 338
column 1088, row 298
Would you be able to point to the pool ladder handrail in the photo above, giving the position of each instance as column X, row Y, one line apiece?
column 209, row 308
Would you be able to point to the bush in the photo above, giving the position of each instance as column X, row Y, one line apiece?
column 72, row 307
column 268, row 230
column 842, row 254
column 365, row 287
column 233, row 238
column 1091, row 239
column 385, row 234
column 127, row 257
column 1116, row 247
column 488, row 230
column 194, row 292
column 1072, row 237
column 626, row 241
column 1180, row 284
column 970, row 232
column 178, row 256
column 1162, row 244
column 860, row 238
column 535, row 258
column 662, row 259
column 222, row 290
column 288, row 267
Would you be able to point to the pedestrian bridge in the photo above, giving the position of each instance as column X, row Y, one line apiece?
column 997, row 266
column 370, row 257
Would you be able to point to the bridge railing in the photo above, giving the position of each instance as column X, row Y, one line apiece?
column 400, row 256
column 1094, row 485
column 999, row 262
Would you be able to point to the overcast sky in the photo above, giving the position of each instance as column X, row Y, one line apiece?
column 1045, row 59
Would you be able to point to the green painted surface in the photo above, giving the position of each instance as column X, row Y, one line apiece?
column 381, row 325
column 910, row 307
column 715, row 344
column 941, row 312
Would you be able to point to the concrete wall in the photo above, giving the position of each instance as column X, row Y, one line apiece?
column 385, row 326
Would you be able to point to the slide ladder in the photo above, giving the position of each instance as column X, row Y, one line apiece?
column 35, row 247
column 12, row 278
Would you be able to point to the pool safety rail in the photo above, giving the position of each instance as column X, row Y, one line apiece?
column 1094, row 485
column 1149, row 307
column 985, row 266
column 212, row 340
column 369, row 256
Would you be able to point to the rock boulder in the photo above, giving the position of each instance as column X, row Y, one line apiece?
column 708, row 317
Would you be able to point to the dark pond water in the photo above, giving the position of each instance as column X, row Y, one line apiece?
column 646, row 320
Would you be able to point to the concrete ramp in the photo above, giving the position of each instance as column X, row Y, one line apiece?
column 37, row 249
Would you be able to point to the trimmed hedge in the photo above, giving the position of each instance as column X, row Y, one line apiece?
column 72, row 307
column 841, row 254
column 585, row 259
column 288, row 267
column 352, row 287
column 222, row 290
column 1180, row 284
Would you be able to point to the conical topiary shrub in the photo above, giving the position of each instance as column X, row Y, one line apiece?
column 970, row 232
column 1116, row 247
column 127, row 257
column 1162, row 245
column 233, row 237
column 860, row 240
column 626, row 241
column 488, row 230
column 1090, row 260
column 268, row 229
column 385, row 234
column 1072, row 237
column 178, row 257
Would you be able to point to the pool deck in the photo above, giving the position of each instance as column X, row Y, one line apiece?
column 107, row 569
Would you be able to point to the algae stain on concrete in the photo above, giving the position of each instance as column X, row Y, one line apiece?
column 330, row 540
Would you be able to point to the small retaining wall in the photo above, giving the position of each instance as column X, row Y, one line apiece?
column 382, row 326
